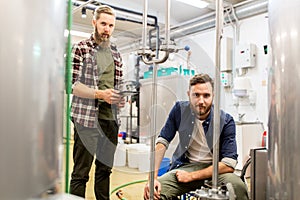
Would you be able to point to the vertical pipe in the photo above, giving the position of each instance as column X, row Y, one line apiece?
column 68, row 93
column 216, row 129
column 157, row 41
column 153, row 130
column 167, row 25
column 130, row 120
column 236, row 41
column 144, row 31
column 154, row 90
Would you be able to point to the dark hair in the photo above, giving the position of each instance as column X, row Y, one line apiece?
column 201, row 78
column 103, row 9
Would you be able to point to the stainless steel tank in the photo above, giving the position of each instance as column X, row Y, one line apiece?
column 284, row 88
column 32, row 47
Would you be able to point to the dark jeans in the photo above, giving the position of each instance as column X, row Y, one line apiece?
column 101, row 141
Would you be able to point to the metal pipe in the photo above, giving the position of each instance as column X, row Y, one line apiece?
column 68, row 93
column 144, row 31
column 155, row 60
column 244, row 10
column 236, row 40
column 167, row 25
column 153, row 100
column 153, row 131
column 81, row 6
column 206, row 22
column 194, row 20
column 167, row 39
column 93, row 7
column 145, row 57
column 156, row 40
column 216, row 128
column 132, row 20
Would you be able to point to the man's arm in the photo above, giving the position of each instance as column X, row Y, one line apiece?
column 160, row 150
column 79, row 89
column 111, row 96
column 83, row 91
column 184, row 177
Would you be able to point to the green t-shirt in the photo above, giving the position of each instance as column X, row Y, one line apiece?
column 106, row 72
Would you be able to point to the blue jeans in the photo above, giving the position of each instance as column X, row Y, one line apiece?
column 101, row 141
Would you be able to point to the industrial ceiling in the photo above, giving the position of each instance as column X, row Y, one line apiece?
column 128, row 29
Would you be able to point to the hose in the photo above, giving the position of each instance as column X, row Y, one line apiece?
column 127, row 184
column 68, row 92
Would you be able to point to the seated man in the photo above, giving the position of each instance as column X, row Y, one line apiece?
column 192, row 159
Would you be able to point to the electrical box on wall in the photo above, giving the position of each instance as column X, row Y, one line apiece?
column 245, row 56
column 226, row 79
column 226, row 54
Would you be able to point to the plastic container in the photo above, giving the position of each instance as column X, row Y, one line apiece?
column 120, row 155
column 120, row 139
column 124, row 135
column 264, row 139
column 144, row 159
column 164, row 166
column 133, row 154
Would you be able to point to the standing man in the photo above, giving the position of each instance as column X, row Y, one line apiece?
column 97, row 70
column 192, row 159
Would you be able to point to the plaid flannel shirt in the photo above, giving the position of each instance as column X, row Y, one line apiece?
column 84, row 111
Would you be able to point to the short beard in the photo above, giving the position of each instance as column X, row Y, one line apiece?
column 101, row 41
column 206, row 111
column 201, row 114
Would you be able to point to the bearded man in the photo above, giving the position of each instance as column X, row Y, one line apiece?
column 97, row 70
column 192, row 160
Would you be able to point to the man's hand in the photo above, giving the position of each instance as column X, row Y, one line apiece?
column 110, row 96
column 183, row 176
column 157, row 189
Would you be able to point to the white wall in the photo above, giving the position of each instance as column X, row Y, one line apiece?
column 253, row 30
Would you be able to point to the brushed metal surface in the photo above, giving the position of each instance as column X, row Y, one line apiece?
column 32, row 87
column 284, row 88
column 258, row 173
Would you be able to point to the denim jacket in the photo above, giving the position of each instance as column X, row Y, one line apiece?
column 182, row 119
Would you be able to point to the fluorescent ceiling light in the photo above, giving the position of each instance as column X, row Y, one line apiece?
column 84, row 34
column 80, row 34
column 195, row 3
column 77, row 33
